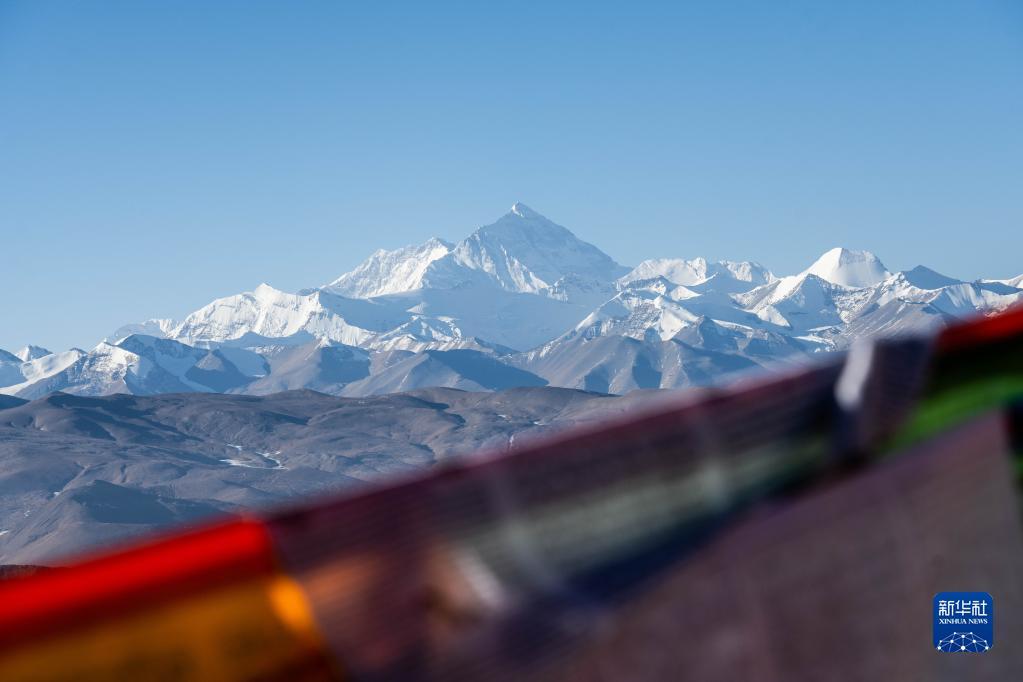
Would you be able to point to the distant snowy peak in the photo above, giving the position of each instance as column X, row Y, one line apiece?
column 950, row 296
column 155, row 327
column 523, row 211
column 525, row 252
column 799, row 302
column 413, row 321
column 636, row 314
column 847, row 268
column 923, row 277
column 30, row 352
column 37, row 370
column 521, row 252
column 266, row 312
column 391, row 272
column 699, row 271
column 579, row 289
column 1015, row 282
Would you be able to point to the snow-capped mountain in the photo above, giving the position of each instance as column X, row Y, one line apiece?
column 519, row 302
column 745, row 275
column 391, row 272
column 30, row 352
column 852, row 269
column 17, row 376
column 522, row 252
column 1015, row 282
column 155, row 327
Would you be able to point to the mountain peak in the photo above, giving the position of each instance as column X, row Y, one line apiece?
column 923, row 277
column 31, row 352
column 523, row 211
column 391, row 272
column 434, row 242
column 265, row 289
column 849, row 268
column 525, row 252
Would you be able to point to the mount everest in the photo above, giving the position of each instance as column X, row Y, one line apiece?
column 520, row 302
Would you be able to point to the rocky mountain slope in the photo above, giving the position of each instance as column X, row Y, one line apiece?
column 79, row 472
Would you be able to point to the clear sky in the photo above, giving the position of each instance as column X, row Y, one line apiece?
column 155, row 155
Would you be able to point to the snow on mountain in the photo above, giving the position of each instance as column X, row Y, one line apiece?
column 10, row 368
column 1015, row 282
column 160, row 328
column 267, row 312
column 636, row 314
column 518, row 282
column 521, row 301
column 923, row 277
column 139, row 364
column 522, row 252
column 31, row 352
column 525, row 252
column 823, row 295
column 799, row 302
column 946, row 295
column 853, row 269
column 438, row 319
column 103, row 370
column 656, row 334
column 13, row 367
column 579, row 289
column 699, row 271
column 391, row 272
column 967, row 298
column 514, row 320
column 48, row 365
column 35, row 371
column 892, row 317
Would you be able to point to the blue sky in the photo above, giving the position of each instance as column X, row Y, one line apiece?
column 156, row 155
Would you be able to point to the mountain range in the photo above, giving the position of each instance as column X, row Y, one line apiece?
column 520, row 302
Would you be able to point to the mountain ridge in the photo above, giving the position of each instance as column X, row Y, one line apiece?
column 524, row 299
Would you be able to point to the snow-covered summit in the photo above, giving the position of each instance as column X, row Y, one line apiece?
column 699, row 271
column 848, row 268
column 391, row 272
column 31, row 352
column 159, row 328
column 525, row 252
column 523, row 211
column 521, row 252
column 1014, row 282
column 923, row 277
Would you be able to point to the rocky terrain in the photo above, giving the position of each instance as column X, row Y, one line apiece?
column 78, row 472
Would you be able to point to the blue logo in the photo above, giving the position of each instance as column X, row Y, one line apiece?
column 964, row 622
